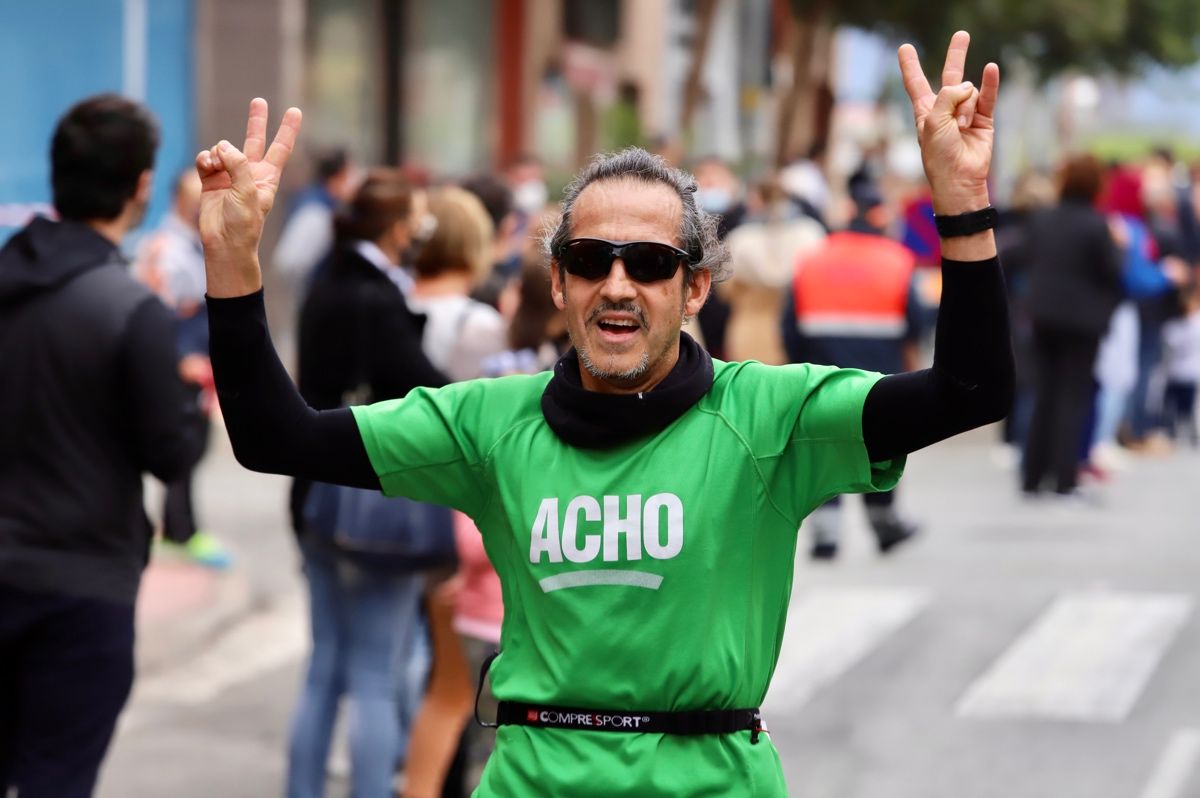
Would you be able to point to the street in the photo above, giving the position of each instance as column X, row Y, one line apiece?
column 1015, row 649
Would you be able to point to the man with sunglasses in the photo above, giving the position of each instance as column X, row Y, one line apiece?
column 641, row 502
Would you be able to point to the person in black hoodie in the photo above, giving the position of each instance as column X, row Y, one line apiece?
column 92, row 398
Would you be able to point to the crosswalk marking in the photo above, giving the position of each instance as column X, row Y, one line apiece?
column 831, row 630
column 1176, row 764
column 1087, row 657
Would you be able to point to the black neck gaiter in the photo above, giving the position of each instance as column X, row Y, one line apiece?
column 593, row 420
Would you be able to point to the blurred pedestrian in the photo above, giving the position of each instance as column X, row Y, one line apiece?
column 763, row 253
column 804, row 183
column 527, row 179
column 1155, row 308
column 537, row 331
column 1074, row 287
column 507, row 243
column 852, row 305
column 719, row 192
column 460, row 332
column 307, row 234
column 1014, row 239
column 1117, row 362
column 359, row 341
column 1182, row 367
column 1164, row 167
column 92, row 398
column 171, row 261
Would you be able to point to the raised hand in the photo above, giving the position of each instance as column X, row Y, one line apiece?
column 954, row 127
column 237, row 191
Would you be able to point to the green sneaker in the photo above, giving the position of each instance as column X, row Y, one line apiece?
column 205, row 549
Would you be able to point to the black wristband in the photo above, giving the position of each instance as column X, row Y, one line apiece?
column 965, row 224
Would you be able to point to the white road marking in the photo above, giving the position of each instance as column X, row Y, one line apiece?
column 1176, row 764
column 831, row 630
column 1087, row 657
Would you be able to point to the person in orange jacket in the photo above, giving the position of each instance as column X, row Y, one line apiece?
column 852, row 305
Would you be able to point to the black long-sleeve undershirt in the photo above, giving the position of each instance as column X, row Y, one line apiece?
column 970, row 384
column 971, row 381
column 273, row 430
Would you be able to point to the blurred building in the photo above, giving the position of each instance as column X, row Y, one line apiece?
column 465, row 84
column 452, row 85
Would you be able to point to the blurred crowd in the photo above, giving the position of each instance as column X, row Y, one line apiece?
column 1102, row 273
column 401, row 281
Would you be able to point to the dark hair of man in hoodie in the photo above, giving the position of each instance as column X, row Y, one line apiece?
column 101, row 146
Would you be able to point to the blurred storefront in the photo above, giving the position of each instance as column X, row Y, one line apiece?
column 461, row 85
column 454, row 86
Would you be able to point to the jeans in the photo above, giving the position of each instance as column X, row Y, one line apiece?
column 1144, row 413
column 367, row 645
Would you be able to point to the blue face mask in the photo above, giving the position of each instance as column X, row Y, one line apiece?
column 714, row 200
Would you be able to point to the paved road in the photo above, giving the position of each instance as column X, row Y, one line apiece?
column 1016, row 650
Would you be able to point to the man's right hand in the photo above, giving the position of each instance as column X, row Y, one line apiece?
column 237, row 191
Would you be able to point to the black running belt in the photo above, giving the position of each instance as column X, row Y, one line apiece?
column 687, row 722
column 690, row 722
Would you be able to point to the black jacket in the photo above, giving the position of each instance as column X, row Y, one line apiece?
column 1074, row 269
column 90, row 398
column 359, row 341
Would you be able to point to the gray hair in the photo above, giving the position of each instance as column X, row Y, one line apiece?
column 698, row 231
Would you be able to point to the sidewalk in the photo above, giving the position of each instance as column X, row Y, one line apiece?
column 182, row 606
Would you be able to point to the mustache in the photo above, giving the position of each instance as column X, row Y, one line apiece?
column 618, row 307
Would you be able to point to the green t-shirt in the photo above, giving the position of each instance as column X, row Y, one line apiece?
column 651, row 576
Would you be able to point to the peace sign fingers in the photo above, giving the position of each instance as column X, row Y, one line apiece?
column 956, row 59
column 915, row 82
column 989, row 90
column 285, row 139
column 256, row 130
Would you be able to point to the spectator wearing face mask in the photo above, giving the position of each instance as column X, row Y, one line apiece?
column 508, row 243
column 719, row 192
column 526, row 177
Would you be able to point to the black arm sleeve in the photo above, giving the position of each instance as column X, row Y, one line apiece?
column 972, row 379
column 271, row 427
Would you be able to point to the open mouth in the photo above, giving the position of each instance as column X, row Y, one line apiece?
column 618, row 330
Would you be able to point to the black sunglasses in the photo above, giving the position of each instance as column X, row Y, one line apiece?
column 645, row 261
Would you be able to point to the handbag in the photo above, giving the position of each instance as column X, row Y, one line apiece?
column 396, row 535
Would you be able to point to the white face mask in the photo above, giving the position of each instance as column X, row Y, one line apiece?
column 530, row 197
column 714, row 200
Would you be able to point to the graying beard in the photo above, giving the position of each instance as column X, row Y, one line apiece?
column 629, row 375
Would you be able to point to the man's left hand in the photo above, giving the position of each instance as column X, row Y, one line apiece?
column 954, row 127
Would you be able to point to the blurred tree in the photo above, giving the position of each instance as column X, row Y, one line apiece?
column 1053, row 36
